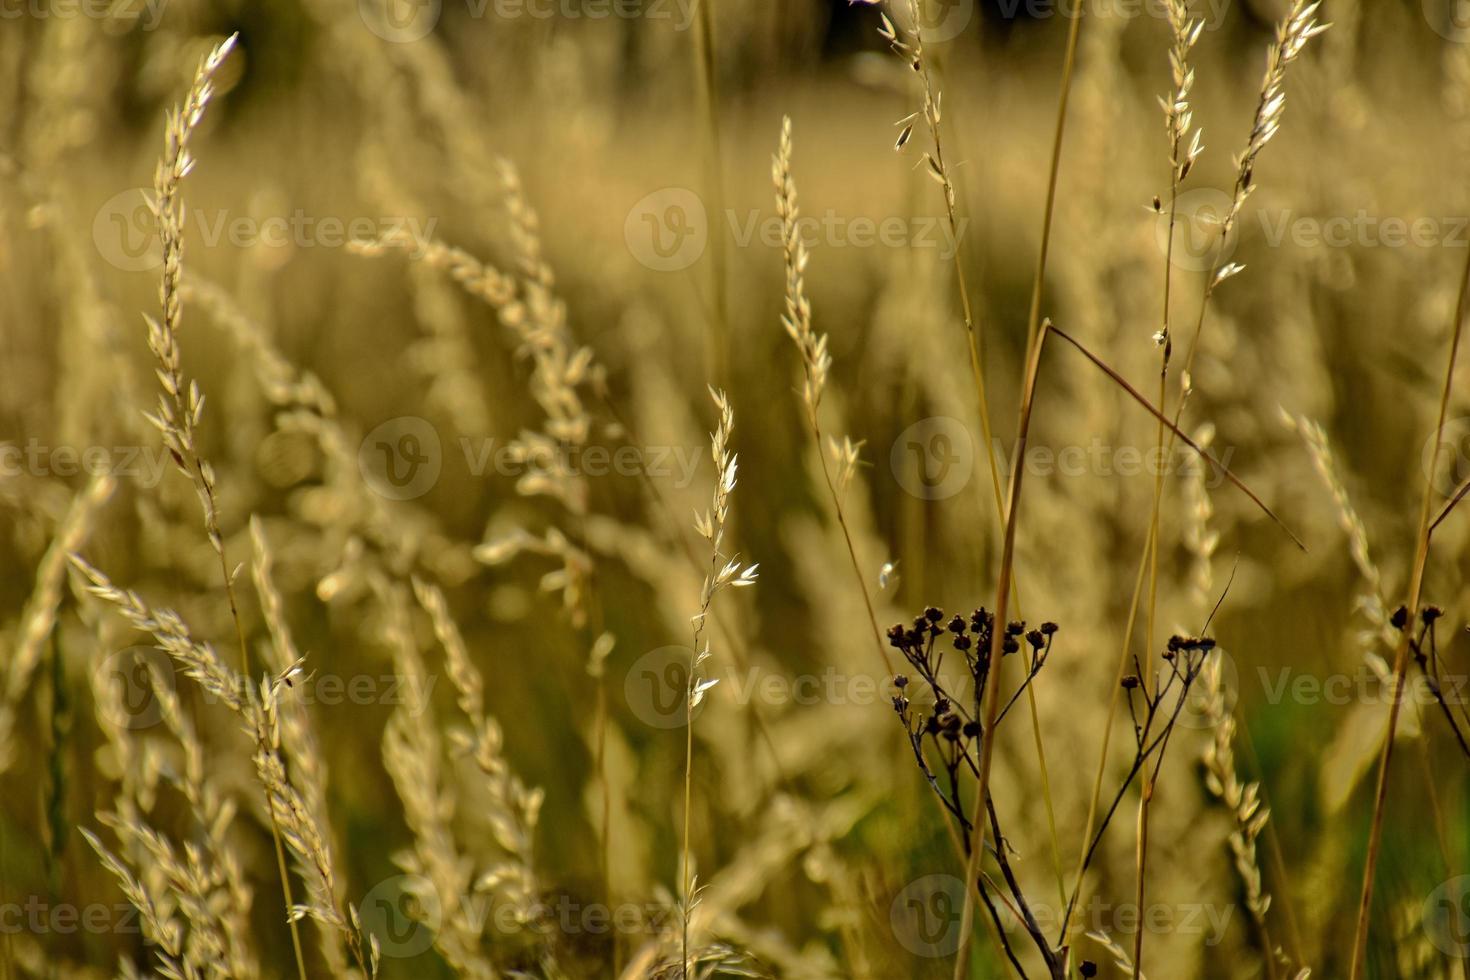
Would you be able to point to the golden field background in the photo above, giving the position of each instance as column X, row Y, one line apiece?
column 645, row 156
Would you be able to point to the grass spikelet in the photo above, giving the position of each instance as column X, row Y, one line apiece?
column 1243, row 802
column 513, row 809
column 259, row 712
column 181, row 405
column 724, row 572
column 816, row 363
column 412, row 754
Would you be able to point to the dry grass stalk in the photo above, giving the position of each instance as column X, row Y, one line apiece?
column 561, row 370
column 513, row 809
column 1199, row 537
column 706, row 73
column 816, row 362
column 195, row 907
column 305, row 406
column 1372, row 602
column 1120, row 956
column 1324, row 461
column 156, row 913
column 910, row 46
column 308, row 764
column 181, row 404
column 530, row 308
column 180, row 407
column 724, row 571
column 170, row 842
column 259, row 710
column 1292, row 35
column 990, row 689
column 1243, row 801
column 1423, row 541
column 413, row 755
column 224, row 887
column 1178, row 122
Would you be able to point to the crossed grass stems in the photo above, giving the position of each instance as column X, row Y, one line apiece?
column 954, row 731
column 959, row 731
column 908, row 44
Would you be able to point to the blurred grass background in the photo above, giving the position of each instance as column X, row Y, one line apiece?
column 317, row 112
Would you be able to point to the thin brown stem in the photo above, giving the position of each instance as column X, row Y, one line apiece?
column 1401, row 658
column 857, row 570
column 1205, row 454
column 704, row 56
column 989, row 694
column 1454, row 501
column 1033, row 342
